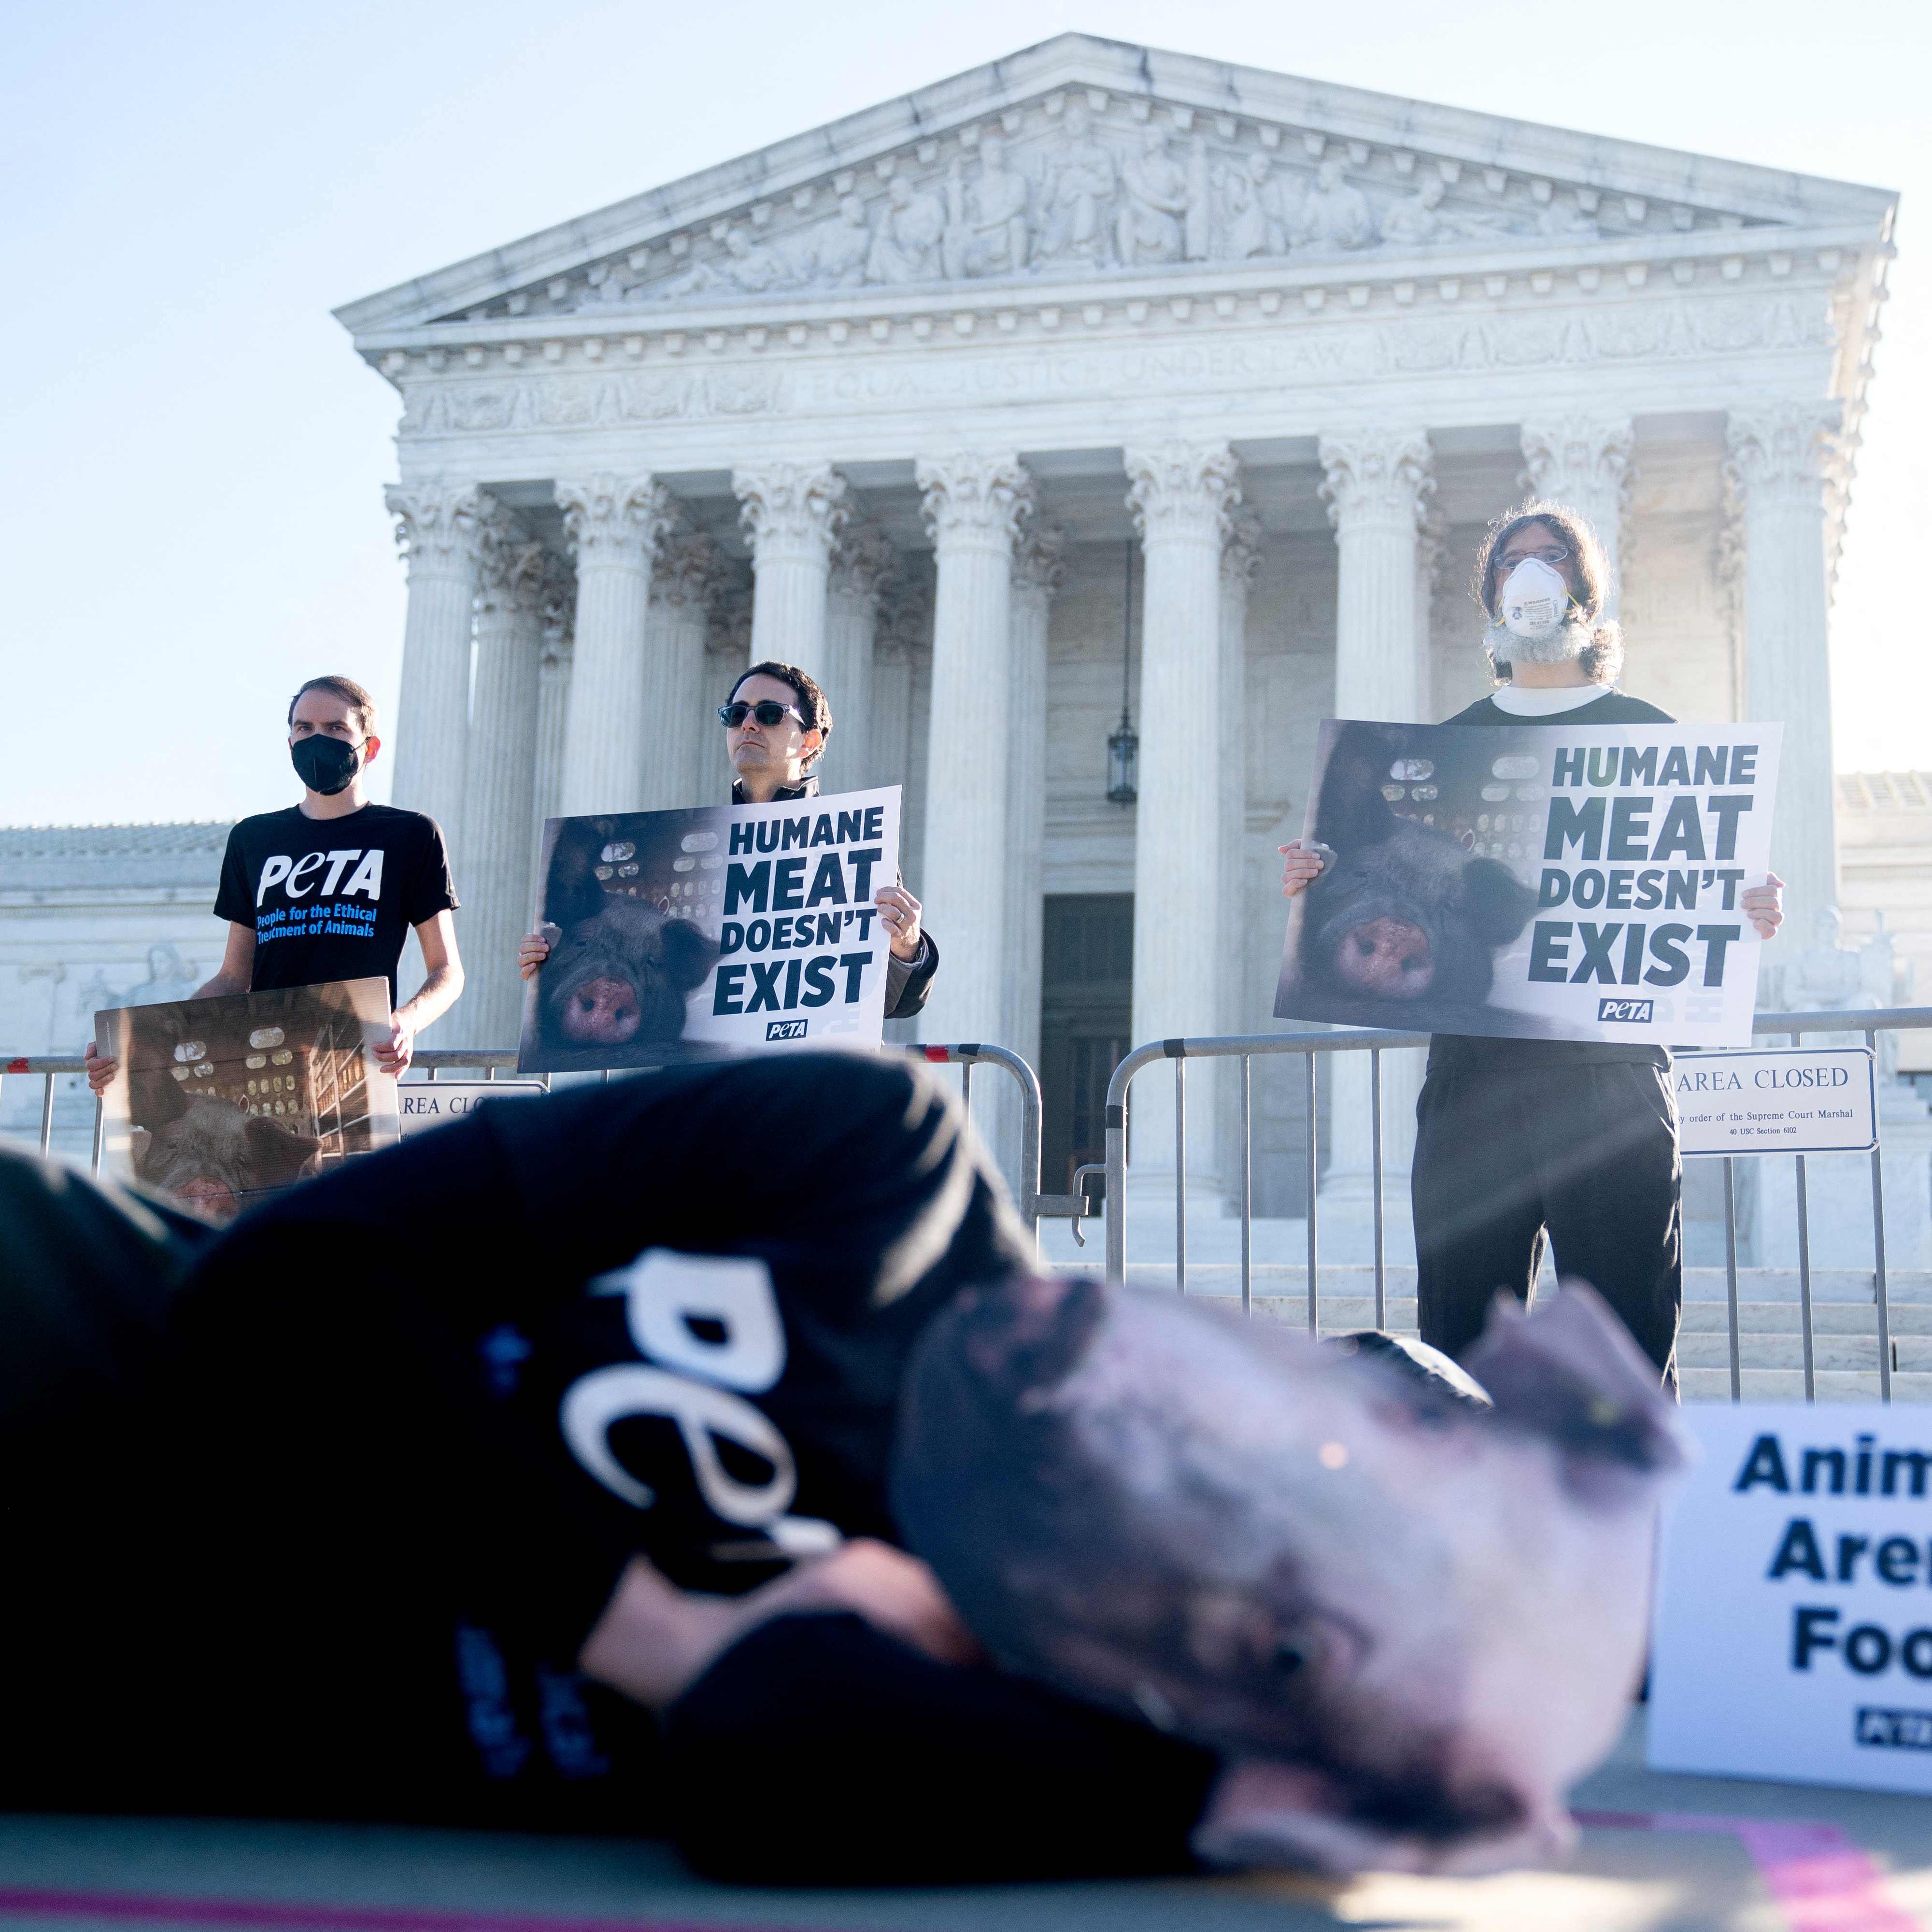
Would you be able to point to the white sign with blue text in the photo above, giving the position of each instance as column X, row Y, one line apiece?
column 1797, row 1099
column 424, row 1104
column 1792, row 1635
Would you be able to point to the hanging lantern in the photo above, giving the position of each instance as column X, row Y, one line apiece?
column 1123, row 744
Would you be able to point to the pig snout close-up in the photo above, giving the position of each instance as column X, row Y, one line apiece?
column 216, row 1159
column 620, row 978
column 1407, row 1619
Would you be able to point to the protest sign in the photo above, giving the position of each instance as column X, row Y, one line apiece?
column 220, row 1103
column 686, row 935
column 1769, row 1099
column 424, row 1104
column 1540, row 883
column 1792, row 1632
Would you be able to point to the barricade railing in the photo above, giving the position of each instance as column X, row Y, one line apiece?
column 433, row 1061
column 1247, row 1047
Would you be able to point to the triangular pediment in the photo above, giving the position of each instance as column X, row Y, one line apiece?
column 1082, row 158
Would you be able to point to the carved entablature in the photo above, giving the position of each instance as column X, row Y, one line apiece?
column 1086, row 182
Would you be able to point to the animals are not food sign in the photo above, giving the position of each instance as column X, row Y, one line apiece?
column 1535, row 882
column 680, row 935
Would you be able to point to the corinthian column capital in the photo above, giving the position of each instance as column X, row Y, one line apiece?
column 690, row 570
column 864, row 561
column 609, row 519
column 1377, row 476
column 1039, row 558
column 1182, row 490
column 1582, row 458
column 1241, row 555
column 972, row 499
column 1783, row 450
column 510, row 572
column 791, row 509
column 440, row 525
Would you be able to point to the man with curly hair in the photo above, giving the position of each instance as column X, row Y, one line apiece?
column 1519, row 1142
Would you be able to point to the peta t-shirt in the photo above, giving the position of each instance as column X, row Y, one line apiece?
column 333, row 898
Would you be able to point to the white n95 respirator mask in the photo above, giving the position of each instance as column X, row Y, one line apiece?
column 1535, row 600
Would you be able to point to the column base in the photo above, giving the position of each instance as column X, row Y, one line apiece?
column 1345, row 1219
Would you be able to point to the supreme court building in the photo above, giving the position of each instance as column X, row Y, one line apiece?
column 1102, row 360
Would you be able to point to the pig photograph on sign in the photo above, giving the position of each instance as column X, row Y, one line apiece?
column 687, row 934
column 1534, row 883
column 220, row 1103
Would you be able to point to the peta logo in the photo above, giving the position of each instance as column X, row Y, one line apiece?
column 1632, row 1013
column 785, row 1029
column 1893, row 1730
column 297, row 876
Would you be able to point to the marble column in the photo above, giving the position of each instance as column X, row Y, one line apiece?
column 1584, row 460
column 863, row 562
column 1241, row 558
column 678, row 725
column 1782, row 453
column 559, row 610
column 614, row 524
column 792, row 512
column 500, row 791
column 438, row 529
column 1038, row 569
column 1181, row 495
column 974, row 504
column 1377, row 481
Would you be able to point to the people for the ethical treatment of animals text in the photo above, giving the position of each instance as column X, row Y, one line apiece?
column 330, row 887
column 1519, row 1142
column 777, row 721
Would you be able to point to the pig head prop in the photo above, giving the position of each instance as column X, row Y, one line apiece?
column 1407, row 1621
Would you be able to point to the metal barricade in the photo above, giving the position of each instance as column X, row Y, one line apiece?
column 493, row 1061
column 1246, row 1048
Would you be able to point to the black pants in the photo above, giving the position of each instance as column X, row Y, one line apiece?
column 1586, row 1153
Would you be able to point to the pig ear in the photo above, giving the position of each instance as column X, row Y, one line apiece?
column 572, row 891
column 1571, row 1373
column 282, row 1154
column 688, row 954
column 1499, row 903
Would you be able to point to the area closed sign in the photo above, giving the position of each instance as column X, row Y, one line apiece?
column 1799, row 1099
column 433, row 1103
column 1793, row 1624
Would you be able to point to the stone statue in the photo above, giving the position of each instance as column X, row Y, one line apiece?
column 1080, row 184
column 608, row 288
column 986, row 228
column 1254, row 211
column 1825, row 977
column 1416, row 218
column 906, row 236
column 746, row 267
column 839, row 246
column 1150, row 225
column 1556, row 220
column 1336, row 215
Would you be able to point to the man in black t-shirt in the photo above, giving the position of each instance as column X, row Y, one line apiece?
column 1521, row 1140
column 329, row 888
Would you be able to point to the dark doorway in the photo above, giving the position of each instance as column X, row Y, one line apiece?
column 1086, row 991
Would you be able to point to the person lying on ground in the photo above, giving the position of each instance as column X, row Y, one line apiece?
column 539, row 1473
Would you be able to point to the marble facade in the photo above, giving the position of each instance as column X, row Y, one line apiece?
column 892, row 400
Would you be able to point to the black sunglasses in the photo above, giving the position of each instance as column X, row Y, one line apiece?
column 767, row 711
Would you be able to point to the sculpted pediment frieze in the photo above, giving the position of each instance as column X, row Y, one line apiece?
column 1087, row 183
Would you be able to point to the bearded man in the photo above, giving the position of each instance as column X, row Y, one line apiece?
column 1522, row 1141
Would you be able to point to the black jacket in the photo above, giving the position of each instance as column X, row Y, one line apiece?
column 907, row 981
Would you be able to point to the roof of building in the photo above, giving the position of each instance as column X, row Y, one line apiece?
column 1885, row 791
column 58, row 857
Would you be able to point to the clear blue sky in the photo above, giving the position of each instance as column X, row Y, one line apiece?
column 191, row 459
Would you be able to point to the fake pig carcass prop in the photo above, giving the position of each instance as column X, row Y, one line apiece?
column 1408, row 1620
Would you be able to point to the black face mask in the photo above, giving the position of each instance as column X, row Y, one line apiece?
column 326, row 765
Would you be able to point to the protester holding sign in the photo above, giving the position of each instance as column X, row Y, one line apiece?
column 776, row 723
column 329, row 888
column 1523, row 1139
